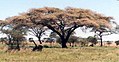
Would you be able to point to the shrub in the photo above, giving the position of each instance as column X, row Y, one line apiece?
column 117, row 42
column 46, row 46
column 91, row 39
column 109, row 42
column 83, row 42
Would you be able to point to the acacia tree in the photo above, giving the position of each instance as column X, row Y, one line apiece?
column 102, row 31
column 6, row 31
column 22, row 22
column 14, row 33
column 64, row 22
column 37, row 31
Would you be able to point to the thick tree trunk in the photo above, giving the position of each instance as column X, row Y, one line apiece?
column 63, row 43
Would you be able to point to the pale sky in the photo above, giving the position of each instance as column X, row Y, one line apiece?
column 10, row 8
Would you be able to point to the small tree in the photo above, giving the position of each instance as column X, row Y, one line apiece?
column 102, row 31
column 23, row 21
column 14, row 33
column 37, row 31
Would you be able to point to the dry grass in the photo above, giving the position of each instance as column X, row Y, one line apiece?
column 81, row 54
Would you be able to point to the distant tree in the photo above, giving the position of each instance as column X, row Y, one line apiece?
column 93, row 40
column 37, row 31
column 58, row 40
column 14, row 33
column 31, row 28
column 7, row 32
column 102, row 31
column 72, row 40
column 116, row 28
column 116, row 31
column 53, row 35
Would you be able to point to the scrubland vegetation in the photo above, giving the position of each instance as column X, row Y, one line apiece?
column 76, row 54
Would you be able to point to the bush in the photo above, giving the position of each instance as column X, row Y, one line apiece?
column 3, row 39
column 117, row 42
column 38, row 48
column 91, row 39
column 109, row 42
column 46, row 46
column 72, row 40
column 83, row 42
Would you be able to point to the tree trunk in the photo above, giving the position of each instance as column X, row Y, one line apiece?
column 101, row 41
column 10, row 44
column 18, row 47
column 34, row 43
column 39, row 41
column 9, row 40
column 69, row 43
column 64, row 43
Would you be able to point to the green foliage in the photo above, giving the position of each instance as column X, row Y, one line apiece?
column 58, row 40
column 3, row 39
column 83, row 42
column 73, row 39
column 15, row 34
column 91, row 39
column 53, row 35
column 46, row 46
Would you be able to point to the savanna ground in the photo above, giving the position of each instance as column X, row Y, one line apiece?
column 76, row 54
